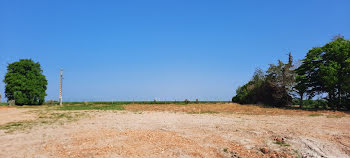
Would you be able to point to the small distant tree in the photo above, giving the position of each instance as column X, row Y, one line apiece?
column 25, row 83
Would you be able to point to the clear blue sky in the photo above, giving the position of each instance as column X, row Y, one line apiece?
column 165, row 49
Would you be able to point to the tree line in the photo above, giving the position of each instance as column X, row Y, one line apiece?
column 323, row 73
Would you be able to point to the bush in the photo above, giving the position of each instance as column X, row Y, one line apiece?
column 274, row 95
column 264, row 92
column 51, row 102
column 11, row 102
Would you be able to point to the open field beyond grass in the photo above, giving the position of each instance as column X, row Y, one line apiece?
column 171, row 130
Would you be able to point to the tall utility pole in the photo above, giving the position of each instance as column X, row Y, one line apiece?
column 60, row 97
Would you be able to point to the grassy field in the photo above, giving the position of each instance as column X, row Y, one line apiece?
column 91, row 107
column 147, row 102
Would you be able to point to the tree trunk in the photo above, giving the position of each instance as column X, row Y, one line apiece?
column 301, row 101
column 339, row 95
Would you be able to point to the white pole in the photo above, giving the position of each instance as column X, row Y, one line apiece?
column 60, row 97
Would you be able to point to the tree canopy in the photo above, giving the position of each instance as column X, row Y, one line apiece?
column 326, row 70
column 25, row 83
column 270, row 88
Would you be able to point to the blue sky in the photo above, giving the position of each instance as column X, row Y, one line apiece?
column 165, row 49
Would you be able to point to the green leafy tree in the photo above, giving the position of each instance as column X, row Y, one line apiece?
column 246, row 94
column 300, row 88
column 25, row 83
column 326, row 70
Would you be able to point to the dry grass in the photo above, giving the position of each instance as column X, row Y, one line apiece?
column 227, row 108
column 43, row 117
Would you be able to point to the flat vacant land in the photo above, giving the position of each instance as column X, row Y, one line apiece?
column 169, row 130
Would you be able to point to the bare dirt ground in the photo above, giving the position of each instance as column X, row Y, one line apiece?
column 192, row 131
column 13, row 114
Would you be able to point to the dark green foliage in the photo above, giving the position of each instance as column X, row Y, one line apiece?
column 311, row 104
column 272, row 94
column 300, row 88
column 247, row 94
column 266, row 93
column 269, row 89
column 25, row 83
column 326, row 70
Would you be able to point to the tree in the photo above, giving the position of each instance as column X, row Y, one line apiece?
column 282, row 74
column 326, row 70
column 268, row 89
column 247, row 93
column 300, row 88
column 281, row 79
column 25, row 83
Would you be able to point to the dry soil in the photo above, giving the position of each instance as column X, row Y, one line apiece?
column 179, row 134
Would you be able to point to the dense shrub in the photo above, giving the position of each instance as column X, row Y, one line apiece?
column 271, row 88
column 265, row 93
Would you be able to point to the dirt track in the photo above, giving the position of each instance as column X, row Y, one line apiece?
column 170, row 134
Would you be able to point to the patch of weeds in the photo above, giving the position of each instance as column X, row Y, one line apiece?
column 297, row 153
column 335, row 116
column 203, row 112
column 225, row 150
column 124, row 112
column 13, row 126
column 32, row 106
column 315, row 115
column 281, row 143
column 137, row 112
column 91, row 107
column 209, row 112
column 10, row 125
column 44, row 117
